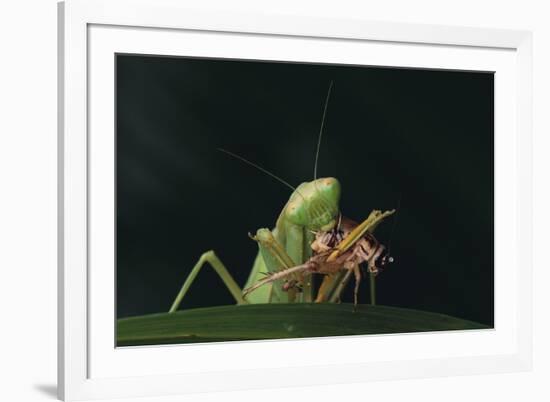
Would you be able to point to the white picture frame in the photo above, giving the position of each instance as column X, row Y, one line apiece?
column 90, row 367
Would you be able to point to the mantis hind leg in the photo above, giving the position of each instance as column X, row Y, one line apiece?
column 212, row 259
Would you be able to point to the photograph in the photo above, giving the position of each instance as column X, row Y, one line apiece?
column 275, row 200
column 266, row 199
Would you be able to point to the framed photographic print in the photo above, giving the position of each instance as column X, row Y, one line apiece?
column 236, row 189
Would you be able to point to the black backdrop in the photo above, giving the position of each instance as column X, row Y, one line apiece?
column 423, row 138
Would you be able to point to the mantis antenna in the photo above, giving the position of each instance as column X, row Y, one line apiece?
column 321, row 131
column 261, row 169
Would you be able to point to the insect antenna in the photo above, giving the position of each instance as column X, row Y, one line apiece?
column 261, row 169
column 321, row 130
column 325, row 205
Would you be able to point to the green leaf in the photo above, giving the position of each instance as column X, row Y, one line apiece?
column 277, row 321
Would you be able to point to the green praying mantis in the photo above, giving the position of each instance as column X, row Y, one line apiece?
column 283, row 269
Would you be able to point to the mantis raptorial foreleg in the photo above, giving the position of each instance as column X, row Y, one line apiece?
column 275, row 258
column 211, row 258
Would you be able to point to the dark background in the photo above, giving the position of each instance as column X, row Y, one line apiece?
column 419, row 138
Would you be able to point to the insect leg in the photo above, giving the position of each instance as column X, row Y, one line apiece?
column 211, row 258
column 325, row 289
column 298, row 247
column 337, row 293
column 357, row 273
column 275, row 259
column 306, row 267
column 331, row 287
column 372, row 280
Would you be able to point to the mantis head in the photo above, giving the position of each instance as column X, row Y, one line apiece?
column 315, row 204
